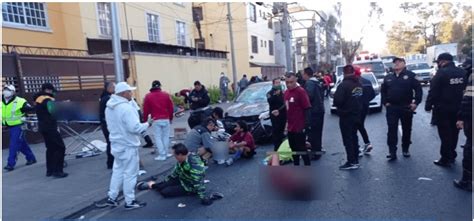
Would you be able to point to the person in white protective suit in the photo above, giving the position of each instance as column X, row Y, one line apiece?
column 125, row 131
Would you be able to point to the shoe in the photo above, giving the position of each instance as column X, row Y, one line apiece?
column 464, row 185
column 220, row 162
column 142, row 186
column 227, row 102
column 148, row 145
column 216, row 196
column 361, row 153
column 229, row 162
column 30, row 162
column 160, row 158
column 110, row 202
column 169, row 155
column 349, row 166
column 367, row 148
column 135, row 205
column 60, row 175
column 8, row 168
column 442, row 163
column 406, row 154
column 141, row 172
column 392, row 157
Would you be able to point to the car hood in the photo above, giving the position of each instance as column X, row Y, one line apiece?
column 421, row 71
column 247, row 109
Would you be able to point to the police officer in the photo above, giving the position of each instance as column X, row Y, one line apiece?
column 13, row 109
column 48, row 126
column 401, row 94
column 465, row 122
column 277, row 112
column 444, row 98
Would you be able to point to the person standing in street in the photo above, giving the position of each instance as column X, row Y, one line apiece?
column 401, row 95
column 298, row 116
column 243, row 83
column 159, row 105
column 348, row 101
column 48, row 126
column 277, row 112
column 223, row 86
column 199, row 97
column 13, row 109
column 465, row 122
column 316, row 121
column 109, row 89
column 125, row 131
column 368, row 95
column 445, row 97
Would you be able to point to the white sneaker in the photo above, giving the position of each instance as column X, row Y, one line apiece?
column 141, row 172
column 229, row 162
column 227, row 102
column 160, row 158
column 169, row 155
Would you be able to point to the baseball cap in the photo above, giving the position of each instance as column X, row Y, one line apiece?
column 156, row 84
column 9, row 87
column 123, row 86
column 48, row 86
column 444, row 57
column 398, row 59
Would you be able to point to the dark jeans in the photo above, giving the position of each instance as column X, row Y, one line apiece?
column 170, row 188
column 55, row 150
column 315, row 134
column 278, row 129
column 394, row 115
column 297, row 141
column 348, row 125
column 110, row 157
column 467, row 153
column 361, row 126
column 448, row 134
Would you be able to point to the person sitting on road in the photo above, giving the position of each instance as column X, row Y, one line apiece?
column 241, row 143
column 218, row 115
column 187, row 178
column 199, row 139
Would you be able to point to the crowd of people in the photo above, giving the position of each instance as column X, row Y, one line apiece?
column 299, row 110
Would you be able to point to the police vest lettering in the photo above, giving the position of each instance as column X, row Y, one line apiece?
column 456, row 81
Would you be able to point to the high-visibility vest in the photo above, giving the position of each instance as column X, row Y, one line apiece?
column 11, row 113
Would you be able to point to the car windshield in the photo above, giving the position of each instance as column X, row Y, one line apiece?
column 255, row 94
column 388, row 64
column 418, row 66
column 372, row 66
column 370, row 77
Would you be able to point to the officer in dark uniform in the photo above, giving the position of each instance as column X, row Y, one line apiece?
column 465, row 122
column 48, row 126
column 445, row 98
column 401, row 94
column 277, row 112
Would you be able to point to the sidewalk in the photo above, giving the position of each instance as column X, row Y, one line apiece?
column 29, row 195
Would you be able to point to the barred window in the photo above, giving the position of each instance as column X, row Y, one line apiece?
column 270, row 46
column 181, row 33
column 105, row 18
column 253, row 12
column 153, row 24
column 254, row 44
column 29, row 14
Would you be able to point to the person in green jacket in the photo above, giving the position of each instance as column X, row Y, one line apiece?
column 187, row 178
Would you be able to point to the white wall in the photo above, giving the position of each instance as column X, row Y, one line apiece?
column 262, row 32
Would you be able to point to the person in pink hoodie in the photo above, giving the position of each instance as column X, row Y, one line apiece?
column 159, row 105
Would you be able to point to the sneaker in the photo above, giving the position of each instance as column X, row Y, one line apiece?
column 169, row 155
column 216, row 196
column 227, row 102
column 141, row 172
column 406, row 154
column 135, row 205
column 392, row 157
column 8, row 168
column 361, row 153
column 142, row 186
column 160, row 158
column 30, row 162
column 464, row 185
column 148, row 145
column 60, row 175
column 442, row 163
column 220, row 162
column 349, row 166
column 110, row 202
column 367, row 148
column 229, row 162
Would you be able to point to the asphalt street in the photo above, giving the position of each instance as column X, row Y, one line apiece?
column 407, row 189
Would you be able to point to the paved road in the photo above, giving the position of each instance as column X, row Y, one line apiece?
column 378, row 190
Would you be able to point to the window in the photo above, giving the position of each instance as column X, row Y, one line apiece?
column 265, row 43
column 197, row 14
column 181, row 33
column 153, row 24
column 253, row 13
column 28, row 14
column 105, row 18
column 261, row 43
column 260, row 13
column 254, row 44
column 270, row 23
column 270, row 47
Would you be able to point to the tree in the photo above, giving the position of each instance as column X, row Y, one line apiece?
column 402, row 39
column 426, row 13
column 350, row 49
column 466, row 43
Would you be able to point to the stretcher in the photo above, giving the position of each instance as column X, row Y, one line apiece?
column 80, row 144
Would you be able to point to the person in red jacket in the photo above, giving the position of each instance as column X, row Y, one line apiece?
column 327, row 83
column 158, row 104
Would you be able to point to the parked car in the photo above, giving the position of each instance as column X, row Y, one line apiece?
column 252, row 107
column 375, row 66
column 375, row 104
column 422, row 70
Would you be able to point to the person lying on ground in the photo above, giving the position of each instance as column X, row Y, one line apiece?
column 241, row 143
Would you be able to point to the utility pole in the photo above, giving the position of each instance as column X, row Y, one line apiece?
column 287, row 30
column 232, row 51
column 116, row 45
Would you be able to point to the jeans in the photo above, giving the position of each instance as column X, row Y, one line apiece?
column 223, row 94
column 448, row 134
column 170, row 188
column 162, row 136
column 124, row 173
column 361, row 127
column 348, row 125
column 394, row 115
column 110, row 157
column 18, row 143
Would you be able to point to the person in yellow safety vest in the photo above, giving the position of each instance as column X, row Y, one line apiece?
column 13, row 109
